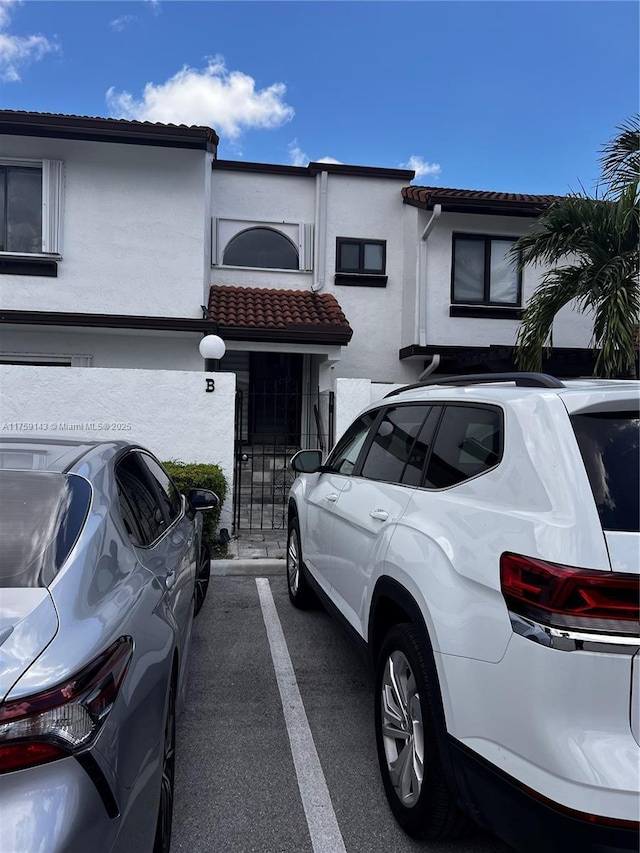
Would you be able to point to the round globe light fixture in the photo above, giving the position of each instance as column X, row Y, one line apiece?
column 212, row 347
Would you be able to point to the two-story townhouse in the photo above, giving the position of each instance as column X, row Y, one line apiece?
column 122, row 243
column 308, row 270
column 104, row 241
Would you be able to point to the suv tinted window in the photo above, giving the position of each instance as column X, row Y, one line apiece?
column 393, row 443
column 343, row 459
column 609, row 446
column 412, row 475
column 469, row 442
column 139, row 507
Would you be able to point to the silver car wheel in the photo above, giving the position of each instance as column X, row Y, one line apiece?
column 293, row 561
column 402, row 729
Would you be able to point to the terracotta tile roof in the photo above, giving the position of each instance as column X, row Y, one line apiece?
column 294, row 316
column 480, row 201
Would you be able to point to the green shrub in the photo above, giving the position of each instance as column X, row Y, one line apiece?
column 197, row 475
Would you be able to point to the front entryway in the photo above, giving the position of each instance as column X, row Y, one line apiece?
column 276, row 415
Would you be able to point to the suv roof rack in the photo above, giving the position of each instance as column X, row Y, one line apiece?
column 524, row 380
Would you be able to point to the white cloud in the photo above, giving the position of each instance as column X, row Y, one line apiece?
column 118, row 24
column 225, row 100
column 421, row 167
column 18, row 51
column 297, row 156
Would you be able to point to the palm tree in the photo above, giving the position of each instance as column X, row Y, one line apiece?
column 600, row 236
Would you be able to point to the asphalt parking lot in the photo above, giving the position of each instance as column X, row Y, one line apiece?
column 240, row 784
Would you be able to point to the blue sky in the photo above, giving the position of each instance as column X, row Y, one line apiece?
column 513, row 96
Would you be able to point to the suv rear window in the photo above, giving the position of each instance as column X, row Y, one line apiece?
column 41, row 515
column 608, row 443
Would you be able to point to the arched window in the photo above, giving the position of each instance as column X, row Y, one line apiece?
column 261, row 247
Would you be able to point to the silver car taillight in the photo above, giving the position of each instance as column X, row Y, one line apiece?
column 65, row 719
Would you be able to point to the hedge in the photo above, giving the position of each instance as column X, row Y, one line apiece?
column 196, row 475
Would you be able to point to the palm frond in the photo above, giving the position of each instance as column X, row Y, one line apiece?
column 620, row 158
column 557, row 289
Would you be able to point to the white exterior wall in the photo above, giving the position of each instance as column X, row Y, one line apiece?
column 370, row 208
column 135, row 228
column 109, row 347
column 571, row 329
column 254, row 197
column 358, row 207
column 167, row 411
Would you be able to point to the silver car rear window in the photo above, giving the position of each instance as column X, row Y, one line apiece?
column 41, row 516
column 609, row 443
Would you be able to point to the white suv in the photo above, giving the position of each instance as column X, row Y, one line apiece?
column 479, row 535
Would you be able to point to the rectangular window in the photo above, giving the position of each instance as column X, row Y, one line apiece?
column 21, row 214
column 30, row 208
column 483, row 272
column 363, row 257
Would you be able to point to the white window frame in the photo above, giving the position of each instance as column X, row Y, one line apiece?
column 32, row 359
column 52, row 205
column 223, row 230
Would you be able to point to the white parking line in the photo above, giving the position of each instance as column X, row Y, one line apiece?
column 321, row 818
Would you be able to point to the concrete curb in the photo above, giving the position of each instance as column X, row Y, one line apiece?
column 255, row 567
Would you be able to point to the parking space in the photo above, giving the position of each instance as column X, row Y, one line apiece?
column 237, row 781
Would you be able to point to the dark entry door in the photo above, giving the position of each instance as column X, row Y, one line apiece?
column 274, row 389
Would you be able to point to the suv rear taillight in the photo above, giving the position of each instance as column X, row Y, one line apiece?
column 568, row 598
column 56, row 723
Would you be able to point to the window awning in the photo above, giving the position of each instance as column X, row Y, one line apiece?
column 278, row 316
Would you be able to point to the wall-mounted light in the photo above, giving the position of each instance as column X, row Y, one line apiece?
column 212, row 346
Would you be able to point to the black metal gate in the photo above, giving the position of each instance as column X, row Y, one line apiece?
column 271, row 425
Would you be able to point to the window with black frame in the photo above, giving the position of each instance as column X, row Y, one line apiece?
column 484, row 273
column 361, row 256
column 20, row 209
column 361, row 261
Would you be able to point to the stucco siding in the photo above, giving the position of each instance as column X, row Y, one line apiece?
column 167, row 411
column 108, row 348
column 570, row 328
column 133, row 238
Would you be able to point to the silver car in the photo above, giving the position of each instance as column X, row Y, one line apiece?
column 100, row 558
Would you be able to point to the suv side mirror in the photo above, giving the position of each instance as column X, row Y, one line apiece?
column 306, row 461
column 202, row 499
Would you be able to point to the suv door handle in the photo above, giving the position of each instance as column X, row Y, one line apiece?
column 332, row 497
column 380, row 514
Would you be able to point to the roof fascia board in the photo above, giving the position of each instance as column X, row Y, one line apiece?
column 326, row 334
column 292, row 335
column 108, row 130
column 109, row 321
column 505, row 208
column 313, row 169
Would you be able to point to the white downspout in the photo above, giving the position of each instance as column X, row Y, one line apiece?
column 320, row 249
column 422, row 275
column 434, row 365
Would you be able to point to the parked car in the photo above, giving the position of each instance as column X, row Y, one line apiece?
column 479, row 536
column 99, row 561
